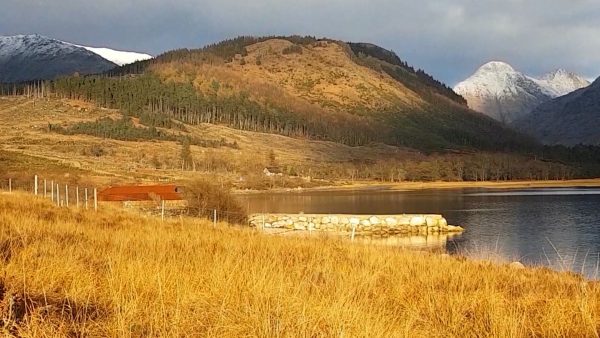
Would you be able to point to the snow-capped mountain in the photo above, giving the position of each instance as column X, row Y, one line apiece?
column 498, row 90
column 560, row 82
column 119, row 57
column 36, row 57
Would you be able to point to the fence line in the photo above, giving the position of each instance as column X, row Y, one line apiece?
column 53, row 192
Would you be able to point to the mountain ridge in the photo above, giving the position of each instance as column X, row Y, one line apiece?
column 37, row 57
column 568, row 120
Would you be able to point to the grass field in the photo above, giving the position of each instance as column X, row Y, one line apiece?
column 76, row 273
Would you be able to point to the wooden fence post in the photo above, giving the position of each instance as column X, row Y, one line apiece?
column 353, row 231
column 86, row 199
column 35, row 185
column 67, row 195
column 215, row 217
column 57, row 195
column 77, row 196
column 52, row 190
column 95, row 199
column 45, row 189
column 162, row 213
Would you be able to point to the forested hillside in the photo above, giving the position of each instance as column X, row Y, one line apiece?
column 303, row 87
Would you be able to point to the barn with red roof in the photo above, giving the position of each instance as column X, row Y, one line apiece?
column 140, row 193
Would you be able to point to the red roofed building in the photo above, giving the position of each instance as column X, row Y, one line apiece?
column 131, row 193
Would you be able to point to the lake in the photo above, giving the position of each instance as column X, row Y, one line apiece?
column 554, row 227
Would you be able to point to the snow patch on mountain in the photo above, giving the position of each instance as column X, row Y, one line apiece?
column 119, row 57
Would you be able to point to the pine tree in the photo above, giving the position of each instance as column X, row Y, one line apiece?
column 186, row 154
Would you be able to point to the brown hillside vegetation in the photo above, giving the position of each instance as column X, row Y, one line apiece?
column 320, row 76
column 76, row 273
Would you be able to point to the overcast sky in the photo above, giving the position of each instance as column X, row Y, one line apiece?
column 447, row 38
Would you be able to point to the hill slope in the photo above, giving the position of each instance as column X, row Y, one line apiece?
column 35, row 57
column 301, row 87
column 503, row 93
column 569, row 120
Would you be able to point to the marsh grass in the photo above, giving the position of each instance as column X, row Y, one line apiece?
column 76, row 273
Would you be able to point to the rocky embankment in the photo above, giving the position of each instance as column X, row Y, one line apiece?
column 359, row 224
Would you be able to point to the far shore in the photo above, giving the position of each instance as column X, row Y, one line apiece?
column 411, row 186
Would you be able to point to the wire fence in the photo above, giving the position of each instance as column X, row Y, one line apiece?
column 60, row 193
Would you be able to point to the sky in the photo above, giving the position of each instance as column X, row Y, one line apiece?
column 449, row 39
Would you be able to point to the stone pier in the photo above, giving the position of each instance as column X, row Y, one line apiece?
column 359, row 224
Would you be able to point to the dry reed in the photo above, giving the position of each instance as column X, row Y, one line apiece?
column 76, row 273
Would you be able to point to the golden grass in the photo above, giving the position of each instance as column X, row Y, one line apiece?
column 117, row 274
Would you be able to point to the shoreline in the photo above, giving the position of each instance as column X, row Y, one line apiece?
column 415, row 186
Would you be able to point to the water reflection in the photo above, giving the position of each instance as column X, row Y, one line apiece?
column 429, row 242
column 426, row 242
column 559, row 228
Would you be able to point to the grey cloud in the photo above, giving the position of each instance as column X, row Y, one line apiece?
column 449, row 39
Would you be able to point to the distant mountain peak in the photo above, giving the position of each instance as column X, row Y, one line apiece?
column 28, row 57
column 561, row 82
column 560, row 72
column 498, row 90
column 496, row 67
column 37, row 57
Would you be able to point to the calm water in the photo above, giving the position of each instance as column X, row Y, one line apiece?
column 559, row 228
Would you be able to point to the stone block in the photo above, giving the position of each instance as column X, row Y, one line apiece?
column 391, row 221
column 418, row 221
column 300, row 226
column 431, row 222
column 278, row 224
column 452, row 228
